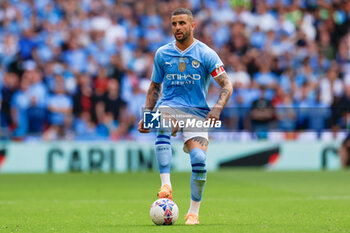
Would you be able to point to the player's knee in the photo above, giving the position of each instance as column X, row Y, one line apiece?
column 198, row 156
column 198, row 162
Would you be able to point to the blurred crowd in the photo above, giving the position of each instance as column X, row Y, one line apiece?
column 80, row 69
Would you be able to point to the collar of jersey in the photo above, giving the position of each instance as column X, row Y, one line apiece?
column 186, row 50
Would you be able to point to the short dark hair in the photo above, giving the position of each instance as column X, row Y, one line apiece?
column 183, row 11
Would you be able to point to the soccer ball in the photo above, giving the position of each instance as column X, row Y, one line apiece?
column 164, row 212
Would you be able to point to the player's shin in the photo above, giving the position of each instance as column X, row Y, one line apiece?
column 164, row 154
column 198, row 178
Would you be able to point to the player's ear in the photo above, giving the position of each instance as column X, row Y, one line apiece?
column 193, row 25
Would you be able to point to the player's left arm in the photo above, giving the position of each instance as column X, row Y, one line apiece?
column 225, row 94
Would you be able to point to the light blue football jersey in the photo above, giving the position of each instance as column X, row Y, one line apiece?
column 186, row 75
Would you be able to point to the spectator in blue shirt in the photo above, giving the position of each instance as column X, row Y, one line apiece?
column 27, row 44
column 60, row 106
column 285, row 113
column 75, row 56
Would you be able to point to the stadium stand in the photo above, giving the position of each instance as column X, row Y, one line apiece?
column 80, row 69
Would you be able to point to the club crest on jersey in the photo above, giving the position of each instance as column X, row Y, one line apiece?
column 195, row 64
column 182, row 65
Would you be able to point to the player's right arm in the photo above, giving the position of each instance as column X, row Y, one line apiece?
column 153, row 94
column 154, row 89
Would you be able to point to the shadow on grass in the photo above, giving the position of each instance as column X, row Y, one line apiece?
column 160, row 226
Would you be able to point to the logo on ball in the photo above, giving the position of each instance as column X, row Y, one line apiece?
column 164, row 212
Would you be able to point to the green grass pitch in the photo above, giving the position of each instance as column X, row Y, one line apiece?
column 234, row 201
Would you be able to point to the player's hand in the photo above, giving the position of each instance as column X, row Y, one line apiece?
column 214, row 115
column 141, row 129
